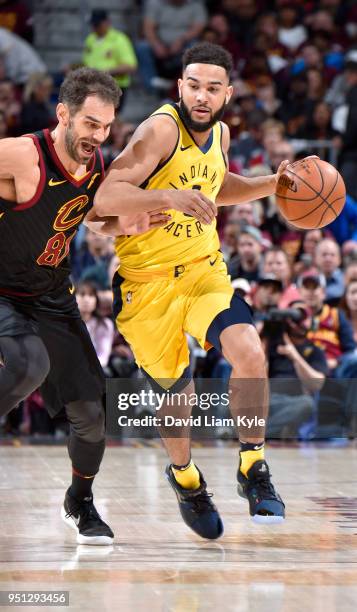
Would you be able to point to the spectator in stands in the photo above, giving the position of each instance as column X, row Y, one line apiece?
column 169, row 27
column 267, row 295
column 328, row 261
column 256, row 67
column 267, row 25
column 344, row 228
column 101, row 329
column 36, row 113
column 292, row 34
column 349, row 253
column 210, row 35
column 351, row 271
column 276, row 262
column 336, row 96
column 250, row 213
column 330, row 330
column 349, row 305
column 326, row 34
column 10, row 106
column 273, row 133
column 20, row 59
column 348, row 159
column 247, row 263
column 91, row 261
column 316, row 84
column 15, row 17
column 220, row 24
column 311, row 57
column 295, row 107
column 244, row 214
column 249, row 149
column 241, row 16
column 266, row 96
column 229, row 240
column 297, row 369
column 120, row 134
column 306, row 255
column 279, row 151
column 311, row 239
column 318, row 125
column 109, row 49
column 242, row 103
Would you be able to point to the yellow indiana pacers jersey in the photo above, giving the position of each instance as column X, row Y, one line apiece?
column 184, row 238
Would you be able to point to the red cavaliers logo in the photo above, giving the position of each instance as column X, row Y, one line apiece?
column 63, row 220
column 57, row 247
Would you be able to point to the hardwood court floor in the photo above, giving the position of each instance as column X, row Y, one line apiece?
column 157, row 563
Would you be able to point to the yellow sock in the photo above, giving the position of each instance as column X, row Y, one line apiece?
column 249, row 457
column 188, row 477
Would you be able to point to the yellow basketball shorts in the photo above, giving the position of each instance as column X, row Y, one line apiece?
column 154, row 315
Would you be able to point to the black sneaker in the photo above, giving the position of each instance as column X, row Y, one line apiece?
column 265, row 505
column 82, row 516
column 196, row 507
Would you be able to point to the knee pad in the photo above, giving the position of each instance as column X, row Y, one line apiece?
column 238, row 312
column 87, row 420
column 26, row 362
column 179, row 384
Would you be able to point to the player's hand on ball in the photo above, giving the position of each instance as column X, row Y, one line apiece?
column 193, row 203
column 282, row 167
column 284, row 164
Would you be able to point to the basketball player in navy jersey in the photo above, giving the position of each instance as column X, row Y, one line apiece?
column 47, row 185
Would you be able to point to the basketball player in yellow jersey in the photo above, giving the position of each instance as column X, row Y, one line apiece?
column 172, row 279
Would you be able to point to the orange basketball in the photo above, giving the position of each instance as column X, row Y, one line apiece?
column 310, row 194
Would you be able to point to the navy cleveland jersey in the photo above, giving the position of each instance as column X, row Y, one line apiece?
column 35, row 236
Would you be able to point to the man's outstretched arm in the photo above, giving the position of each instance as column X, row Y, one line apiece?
column 236, row 188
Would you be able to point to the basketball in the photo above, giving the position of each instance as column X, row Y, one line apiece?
column 310, row 193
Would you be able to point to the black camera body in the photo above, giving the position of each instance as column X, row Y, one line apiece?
column 276, row 321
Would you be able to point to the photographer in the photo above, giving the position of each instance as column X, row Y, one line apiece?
column 330, row 329
column 267, row 295
column 297, row 368
column 247, row 262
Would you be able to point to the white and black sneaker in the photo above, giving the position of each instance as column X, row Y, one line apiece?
column 82, row 516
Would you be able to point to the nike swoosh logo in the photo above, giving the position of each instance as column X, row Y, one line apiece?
column 211, row 263
column 72, row 289
column 185, row 148
column 53, row 183
column 93, row 179
column 1, row 214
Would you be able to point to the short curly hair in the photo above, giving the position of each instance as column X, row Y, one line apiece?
column 208, row 53
column 84, row 82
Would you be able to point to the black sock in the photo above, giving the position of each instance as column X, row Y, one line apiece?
column 181, row 467
column 249, row 446
column 81, row 486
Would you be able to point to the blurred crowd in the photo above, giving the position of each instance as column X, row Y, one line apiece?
column 295, row 94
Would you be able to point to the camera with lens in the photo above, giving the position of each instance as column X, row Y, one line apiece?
column 277, row 321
